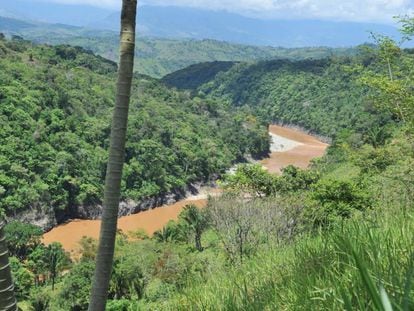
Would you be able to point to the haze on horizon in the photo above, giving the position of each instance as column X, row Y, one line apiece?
column 379, row 11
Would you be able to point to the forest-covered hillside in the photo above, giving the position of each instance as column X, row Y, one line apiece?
column 323, row 96
column 157, row 56
column 337, row 236
column 55, row 110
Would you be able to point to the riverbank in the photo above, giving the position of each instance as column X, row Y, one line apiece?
column 289, row 147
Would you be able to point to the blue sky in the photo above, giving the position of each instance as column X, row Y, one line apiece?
column 344, row 10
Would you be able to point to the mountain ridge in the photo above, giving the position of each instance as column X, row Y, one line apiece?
column 178, row 22
column 191, row 23
column 158, row 57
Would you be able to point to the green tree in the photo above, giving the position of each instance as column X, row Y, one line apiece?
column 197, row 221
column 295, row 179
column 57, row 261
column 48, row 261
column 128, row 280
column 252, row 179
column 392, row 86
column 336, row 199
column 22, row 238
column 112, row 194
column 40, row 298
column 23, row 278
column 171, row 232
column 76, row 287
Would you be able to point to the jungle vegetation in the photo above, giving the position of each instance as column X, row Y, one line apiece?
column 55, row 112
column 337, row 236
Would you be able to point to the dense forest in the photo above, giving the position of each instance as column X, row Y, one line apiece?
column 55, row 111
column 323, row 96
column 337, row 236
column 157, row 57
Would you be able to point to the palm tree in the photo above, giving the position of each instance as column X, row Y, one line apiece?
column 172, row 231
column 197, row 221
column 116, row 159
column 7, row 299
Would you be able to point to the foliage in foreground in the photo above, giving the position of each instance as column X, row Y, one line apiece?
column 336, row 237
column 341, row 240
column 347, row 268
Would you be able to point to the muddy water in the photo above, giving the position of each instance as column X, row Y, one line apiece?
column 299, row 153
column 297, row 148
column 70, row 233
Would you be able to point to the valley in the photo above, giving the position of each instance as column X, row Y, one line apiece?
column 306, row 148
column 217, row 209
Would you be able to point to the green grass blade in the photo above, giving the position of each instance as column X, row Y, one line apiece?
column 369, row 284
column 347, row 301
column 408, row 285
column 386, row 303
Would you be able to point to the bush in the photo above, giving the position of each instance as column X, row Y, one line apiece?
column 243, row 225
column 332, row 200
column 252, row 179
column 40, row 299
column 22, row 238
column 122, row 305
column 76, row 287
column 23, row 278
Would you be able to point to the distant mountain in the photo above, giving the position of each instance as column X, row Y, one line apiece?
column 14, row 26
column 191, row 23
column 178, row 22
column 41, row 11
column 155, row 56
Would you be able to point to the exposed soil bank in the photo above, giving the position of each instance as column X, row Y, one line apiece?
column 294, row 147
column 47, row 218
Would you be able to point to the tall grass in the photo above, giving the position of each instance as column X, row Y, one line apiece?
column 365, row 263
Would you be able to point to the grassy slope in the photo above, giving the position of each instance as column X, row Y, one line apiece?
column 341, row 268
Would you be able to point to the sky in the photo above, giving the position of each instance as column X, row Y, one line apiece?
column 343, row 10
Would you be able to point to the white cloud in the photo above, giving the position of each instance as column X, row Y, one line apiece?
column 351, row 10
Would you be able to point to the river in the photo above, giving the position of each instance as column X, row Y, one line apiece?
column 289, row 146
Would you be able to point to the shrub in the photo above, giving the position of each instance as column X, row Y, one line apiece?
column 333, row 199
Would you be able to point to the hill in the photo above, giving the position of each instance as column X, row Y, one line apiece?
column 55, row 107
column 337, row 236
column 184, row 22
column 13, row 25
column 306, row 93
column 155, row 56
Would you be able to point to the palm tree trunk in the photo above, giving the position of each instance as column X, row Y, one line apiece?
column 7, row 299
column 116, row 159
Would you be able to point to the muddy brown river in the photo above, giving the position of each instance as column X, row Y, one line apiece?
column 289, row 146
column 300, row 152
